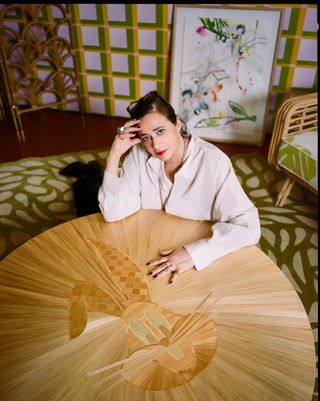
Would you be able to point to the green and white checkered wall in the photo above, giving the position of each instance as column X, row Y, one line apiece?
column 124, row 51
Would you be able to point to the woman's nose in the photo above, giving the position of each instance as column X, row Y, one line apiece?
column 155, row 143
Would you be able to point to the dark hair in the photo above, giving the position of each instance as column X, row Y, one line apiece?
column 153, row 102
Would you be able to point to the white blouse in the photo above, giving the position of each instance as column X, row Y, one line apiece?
column 205, row 188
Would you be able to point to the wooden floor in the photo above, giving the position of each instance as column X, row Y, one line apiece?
column 52, row 132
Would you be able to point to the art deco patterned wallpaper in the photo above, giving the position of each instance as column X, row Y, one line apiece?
column 123, row 51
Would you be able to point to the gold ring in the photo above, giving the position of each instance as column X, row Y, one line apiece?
column 121, row 132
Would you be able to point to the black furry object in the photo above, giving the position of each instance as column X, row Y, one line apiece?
column 79, row 169
column 85, row 189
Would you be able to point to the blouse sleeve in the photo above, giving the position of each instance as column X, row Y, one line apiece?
column 236, row 222
column 119, row 197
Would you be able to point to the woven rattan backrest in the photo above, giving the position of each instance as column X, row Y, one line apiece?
column 302, row 115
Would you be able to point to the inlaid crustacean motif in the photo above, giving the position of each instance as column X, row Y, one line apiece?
column 165, row 349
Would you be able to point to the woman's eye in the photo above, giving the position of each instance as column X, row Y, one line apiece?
column 144, row 138
column 161, row 131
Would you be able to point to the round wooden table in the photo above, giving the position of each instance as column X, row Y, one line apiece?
column 82, row 320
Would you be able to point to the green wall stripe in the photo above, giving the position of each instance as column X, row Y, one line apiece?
column 135, row 88
column 107, row 63
column 293, row 21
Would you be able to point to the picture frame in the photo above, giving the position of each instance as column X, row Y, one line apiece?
column 222, row 69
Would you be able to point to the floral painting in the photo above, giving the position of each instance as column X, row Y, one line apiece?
column 222, row 71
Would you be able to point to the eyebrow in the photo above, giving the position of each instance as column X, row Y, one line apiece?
column 154, row 130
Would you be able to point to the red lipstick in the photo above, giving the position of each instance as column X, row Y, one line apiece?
column 161, row 153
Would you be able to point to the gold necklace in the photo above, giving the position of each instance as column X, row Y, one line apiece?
column 164, row 202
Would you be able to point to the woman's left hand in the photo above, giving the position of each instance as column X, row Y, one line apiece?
column 173, row 262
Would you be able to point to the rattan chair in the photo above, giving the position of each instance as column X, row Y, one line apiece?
column 294, row 144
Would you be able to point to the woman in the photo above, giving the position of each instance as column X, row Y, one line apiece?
column 169, row 169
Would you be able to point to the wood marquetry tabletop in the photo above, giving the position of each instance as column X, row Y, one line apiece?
column 82, row 320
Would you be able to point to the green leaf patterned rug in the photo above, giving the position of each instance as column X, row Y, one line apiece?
column 35, row 197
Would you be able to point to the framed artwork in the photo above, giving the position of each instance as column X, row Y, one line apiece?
column 222, row 70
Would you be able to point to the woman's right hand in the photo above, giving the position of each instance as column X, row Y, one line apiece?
column 122, row 143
